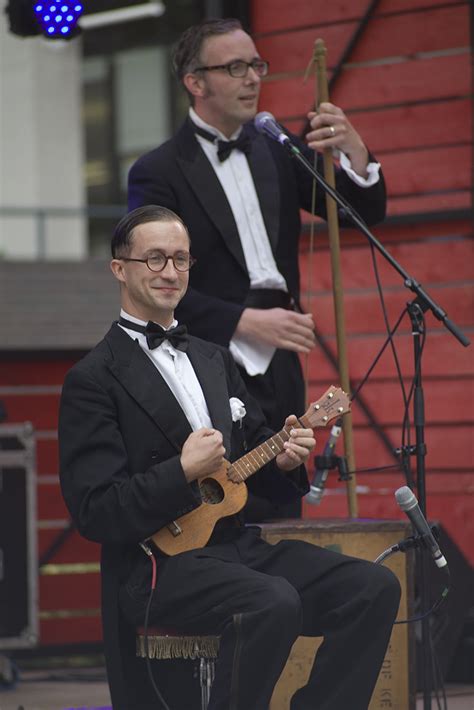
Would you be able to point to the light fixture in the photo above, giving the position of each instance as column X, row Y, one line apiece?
column 58, row 18
column 123, row 14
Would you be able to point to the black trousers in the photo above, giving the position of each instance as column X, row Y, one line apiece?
column 280, row 392
column 260, row 598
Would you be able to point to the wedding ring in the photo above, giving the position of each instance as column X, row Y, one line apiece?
column 333, row 131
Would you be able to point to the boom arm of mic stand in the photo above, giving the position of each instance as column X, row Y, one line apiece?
column 422, row 298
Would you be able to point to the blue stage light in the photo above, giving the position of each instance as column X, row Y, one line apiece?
column 66, row 17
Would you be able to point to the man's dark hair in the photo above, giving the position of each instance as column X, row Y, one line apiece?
column 186, row 54
column 122, row 238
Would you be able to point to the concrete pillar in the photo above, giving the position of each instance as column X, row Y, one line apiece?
column 41, row 146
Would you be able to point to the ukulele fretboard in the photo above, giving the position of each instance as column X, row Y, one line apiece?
column 249, row 464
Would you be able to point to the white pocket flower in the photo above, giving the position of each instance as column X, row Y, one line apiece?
column 237, row 409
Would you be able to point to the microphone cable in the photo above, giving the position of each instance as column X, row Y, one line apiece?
column 403, row 546
column 151, row 557
column 437, row 605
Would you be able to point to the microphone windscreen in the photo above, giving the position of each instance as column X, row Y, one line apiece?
column 405, row 498
column 261, row 119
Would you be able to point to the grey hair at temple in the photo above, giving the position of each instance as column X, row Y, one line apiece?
column 186, row 53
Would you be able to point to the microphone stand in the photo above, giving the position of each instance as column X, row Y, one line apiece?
column 416, row 308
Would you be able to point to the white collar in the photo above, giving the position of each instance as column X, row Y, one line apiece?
column 207, row 127
column 126, row 315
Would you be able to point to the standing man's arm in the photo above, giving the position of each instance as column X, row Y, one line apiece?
column 330, row 128
column 359, row 177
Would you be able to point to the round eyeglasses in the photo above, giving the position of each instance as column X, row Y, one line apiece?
column 238, row 68
column 182, row 261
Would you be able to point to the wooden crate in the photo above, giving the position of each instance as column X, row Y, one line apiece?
column 366, row 539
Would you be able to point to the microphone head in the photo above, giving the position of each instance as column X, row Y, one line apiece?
column 265, row 123
column 261, row 119
column 405, row 498
column 314, row 495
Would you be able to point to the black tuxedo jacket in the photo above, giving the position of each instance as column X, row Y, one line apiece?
column 121, row 431
column 179, row 176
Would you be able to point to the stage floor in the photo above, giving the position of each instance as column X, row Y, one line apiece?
column 86, row 689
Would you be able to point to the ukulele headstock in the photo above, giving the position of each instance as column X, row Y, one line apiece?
column 334, row 403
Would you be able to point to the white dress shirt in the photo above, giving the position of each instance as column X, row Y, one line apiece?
column 237, row 182
column 176, row 369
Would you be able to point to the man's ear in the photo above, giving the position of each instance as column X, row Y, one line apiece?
column 195, row 84
column 116, row 266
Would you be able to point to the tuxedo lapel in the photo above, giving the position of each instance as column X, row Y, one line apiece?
column 265, row 178
column 200, row 175
column 211, row 374
column 139, row 376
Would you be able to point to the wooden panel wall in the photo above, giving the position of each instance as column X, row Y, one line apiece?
column 406, row 88
column 69, row 584
column 444, row 265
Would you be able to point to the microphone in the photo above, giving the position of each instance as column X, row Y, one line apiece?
column 266, row 123
column 407, row 501
column 317, row 486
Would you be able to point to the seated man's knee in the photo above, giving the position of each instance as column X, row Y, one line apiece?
column 283, row 602
column 386, row 585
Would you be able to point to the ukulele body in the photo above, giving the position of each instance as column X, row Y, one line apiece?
column 223, row 492
column 221, row 497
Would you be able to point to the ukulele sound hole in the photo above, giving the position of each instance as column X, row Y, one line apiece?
column 211, row 491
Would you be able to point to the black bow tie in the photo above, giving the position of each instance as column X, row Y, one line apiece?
column 225, row 148
column 155, row 334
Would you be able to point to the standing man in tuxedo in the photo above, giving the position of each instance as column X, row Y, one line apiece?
column 143, row 417
column 240, row 194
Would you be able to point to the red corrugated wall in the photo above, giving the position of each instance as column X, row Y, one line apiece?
column 406, row 87
column 69, row 597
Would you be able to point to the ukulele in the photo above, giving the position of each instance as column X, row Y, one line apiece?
column 223, row 493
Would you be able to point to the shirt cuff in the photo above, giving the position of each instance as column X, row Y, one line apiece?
column 372, row 170
column 253, row 357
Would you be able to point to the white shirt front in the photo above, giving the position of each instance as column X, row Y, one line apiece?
column 237, row 182
column 176, row 369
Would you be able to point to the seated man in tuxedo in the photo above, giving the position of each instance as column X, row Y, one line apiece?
column 143, row 417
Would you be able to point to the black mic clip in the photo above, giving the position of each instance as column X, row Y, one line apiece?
column 323, row 462
column 416, row 541
column 424, row 539
column 327, row 463
column 344, row 474
column 405, row 451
